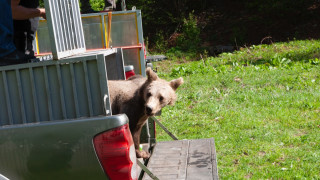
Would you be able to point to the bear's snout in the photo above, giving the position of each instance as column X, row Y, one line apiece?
column 148, row 110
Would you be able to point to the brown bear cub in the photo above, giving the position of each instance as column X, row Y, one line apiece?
column 139, row 98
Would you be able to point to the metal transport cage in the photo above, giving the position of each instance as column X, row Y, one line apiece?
column 72, row 87
column 124, row 31
column 55, row 90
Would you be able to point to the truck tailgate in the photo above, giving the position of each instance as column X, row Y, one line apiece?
column 184, row 159
column 54, row 149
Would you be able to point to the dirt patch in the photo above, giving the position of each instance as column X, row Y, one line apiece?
column 262, row 153
column 248, row 176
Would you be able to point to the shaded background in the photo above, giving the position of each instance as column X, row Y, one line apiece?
column 232, row 23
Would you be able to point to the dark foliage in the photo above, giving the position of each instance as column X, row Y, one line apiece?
column 167, row 23
column 232, row 22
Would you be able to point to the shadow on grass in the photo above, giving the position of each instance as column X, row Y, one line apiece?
column 274, row 57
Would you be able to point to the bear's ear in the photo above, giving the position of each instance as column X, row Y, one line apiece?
column 172, row 100
column 171, row 103
column 176, row 83
column 152, row 76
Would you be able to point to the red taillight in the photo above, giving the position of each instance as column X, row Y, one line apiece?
column 144, row 51
column 129, row 71
column 116, row 152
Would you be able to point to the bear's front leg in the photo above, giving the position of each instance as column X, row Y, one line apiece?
column 142, row 154
column 136, row 140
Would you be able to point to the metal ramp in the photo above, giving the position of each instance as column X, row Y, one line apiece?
column 184, row 160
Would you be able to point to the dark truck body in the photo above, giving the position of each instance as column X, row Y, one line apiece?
column 54, row 150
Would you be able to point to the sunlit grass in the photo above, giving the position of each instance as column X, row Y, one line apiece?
column 261, row 104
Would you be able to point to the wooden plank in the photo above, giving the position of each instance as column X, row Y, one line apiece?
column 169, row 160
column 184, row 159
column 201, row 160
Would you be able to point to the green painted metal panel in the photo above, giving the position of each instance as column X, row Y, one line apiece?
column 55, row 90
column 93, row 32
column 54, row 150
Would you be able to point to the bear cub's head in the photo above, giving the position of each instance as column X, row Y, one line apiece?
column 158, row 92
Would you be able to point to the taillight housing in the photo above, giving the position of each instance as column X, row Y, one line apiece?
column 116, row 153
column 129, row 71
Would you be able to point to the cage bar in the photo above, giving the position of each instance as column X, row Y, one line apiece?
column 65, row 28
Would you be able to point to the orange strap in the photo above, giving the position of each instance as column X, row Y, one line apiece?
column 109, row 28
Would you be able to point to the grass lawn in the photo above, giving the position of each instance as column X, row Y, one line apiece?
column 261, row 104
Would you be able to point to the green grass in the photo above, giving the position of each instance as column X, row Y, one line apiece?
column 261, row 104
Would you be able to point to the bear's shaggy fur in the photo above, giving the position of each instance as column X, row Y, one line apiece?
column 139, row 98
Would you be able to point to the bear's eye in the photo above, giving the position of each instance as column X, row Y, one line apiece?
column 149, row 94
column 160, row 98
